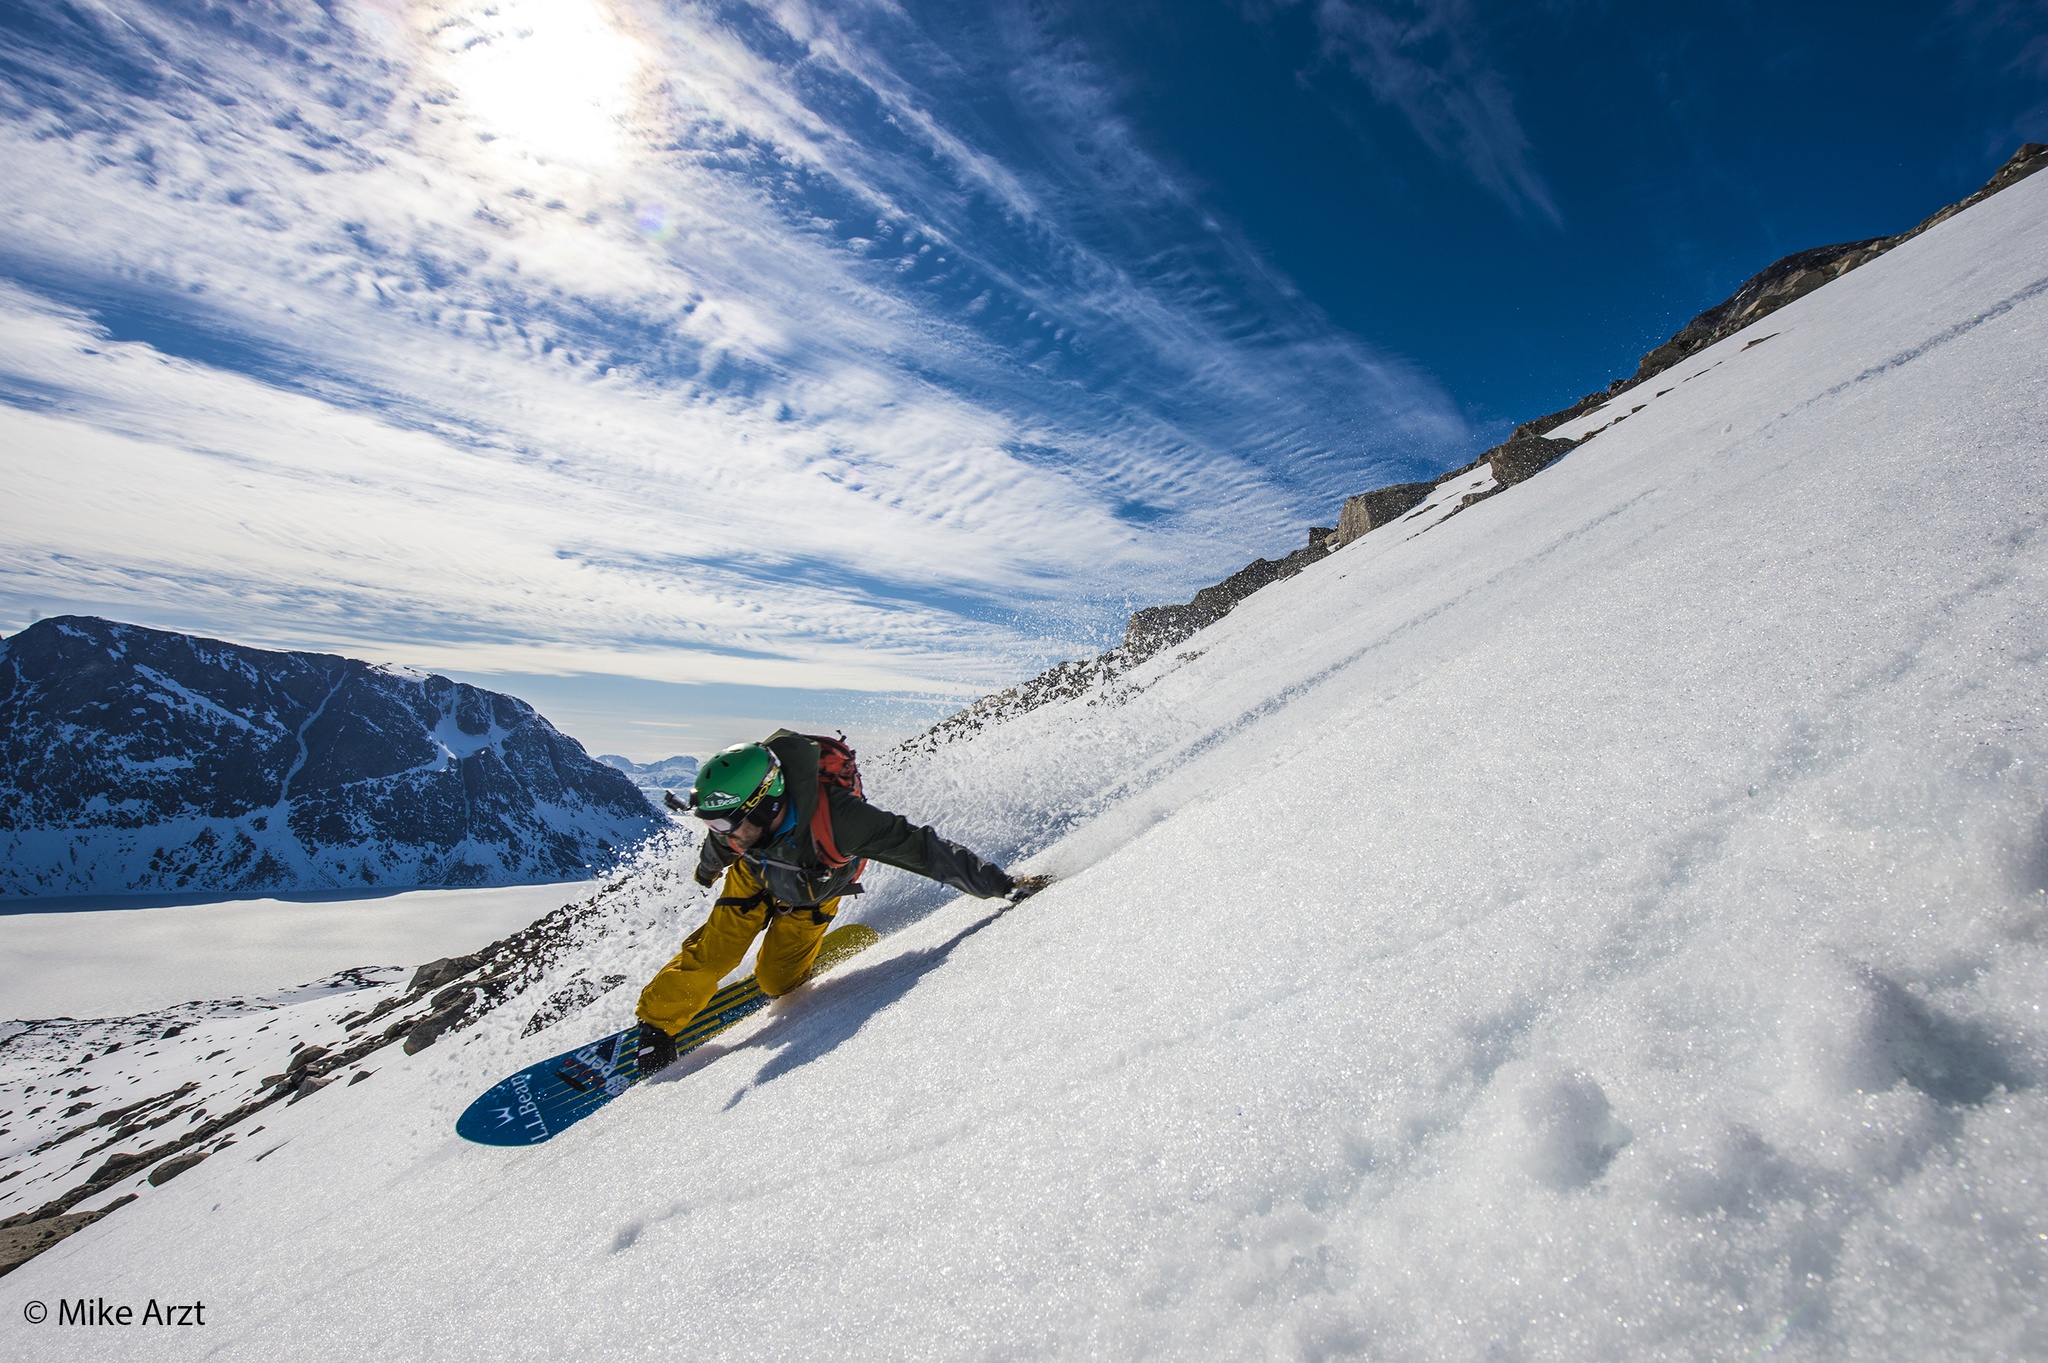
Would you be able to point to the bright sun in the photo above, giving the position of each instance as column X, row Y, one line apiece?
column 556, row 78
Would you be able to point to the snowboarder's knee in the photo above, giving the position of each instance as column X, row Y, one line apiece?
column 790, row 948
column 779, row 977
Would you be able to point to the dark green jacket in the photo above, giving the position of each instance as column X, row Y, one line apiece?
column 794, row 871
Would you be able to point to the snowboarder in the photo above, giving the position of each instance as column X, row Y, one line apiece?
column 787, row 862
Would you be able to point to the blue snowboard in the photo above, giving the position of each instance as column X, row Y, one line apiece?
column 543, row 1100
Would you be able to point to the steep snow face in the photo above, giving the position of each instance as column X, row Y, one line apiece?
column 1608, row 922
column 139, row 760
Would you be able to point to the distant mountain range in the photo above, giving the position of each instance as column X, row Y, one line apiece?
column 653, row 778
column 136, row 760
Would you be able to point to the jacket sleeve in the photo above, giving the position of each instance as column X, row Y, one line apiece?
column 861, row 830
column 712, row 859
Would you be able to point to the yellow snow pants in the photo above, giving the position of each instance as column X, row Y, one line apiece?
column 709, row 954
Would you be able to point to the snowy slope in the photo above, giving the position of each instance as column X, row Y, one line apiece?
column 1606, row 922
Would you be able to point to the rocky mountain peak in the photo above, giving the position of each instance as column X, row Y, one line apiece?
column 144, row 760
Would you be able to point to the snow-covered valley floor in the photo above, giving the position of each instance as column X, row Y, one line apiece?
column 1611, row 923
column 104, row 962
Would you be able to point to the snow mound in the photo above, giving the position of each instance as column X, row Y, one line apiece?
column 1607, row 924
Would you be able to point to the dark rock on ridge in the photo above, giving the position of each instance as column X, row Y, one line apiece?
column 24, row 1240
column 1781, row 282
column 1763, row 293
column 171, row 1168
column 435, row 973
column 1150, row 631
column 1160, row 627
column 1368, row 511
column 1522, row 457
column 141, row 760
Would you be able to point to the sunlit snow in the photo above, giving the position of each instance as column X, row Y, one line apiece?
column 1607, row 924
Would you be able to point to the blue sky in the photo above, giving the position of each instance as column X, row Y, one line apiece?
column 687, row 367
column 1524, row 198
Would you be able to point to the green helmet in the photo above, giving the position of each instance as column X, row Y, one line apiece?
column 737, row 779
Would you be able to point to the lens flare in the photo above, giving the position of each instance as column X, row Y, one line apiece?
column 556, row 79
column 652, row 220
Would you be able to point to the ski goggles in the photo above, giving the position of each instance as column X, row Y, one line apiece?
column 725, row 821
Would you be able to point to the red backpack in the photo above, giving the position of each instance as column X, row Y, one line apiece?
column 837, row 766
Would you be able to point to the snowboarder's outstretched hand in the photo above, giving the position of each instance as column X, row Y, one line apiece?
column 657, row 1049
column 1023, row 887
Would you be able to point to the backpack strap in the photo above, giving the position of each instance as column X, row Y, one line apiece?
column 821, row 838
column 821, row 832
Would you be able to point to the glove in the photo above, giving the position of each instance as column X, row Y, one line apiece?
column 704, row 876
column 657, row 1050
column 1023, row 887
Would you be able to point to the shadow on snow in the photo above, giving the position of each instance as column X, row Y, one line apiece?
column 818, row 1019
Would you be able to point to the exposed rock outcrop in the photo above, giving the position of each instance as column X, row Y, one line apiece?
column 21, row 1241
column 1368, row 511
column 1521, row 457
column 1149, row 631
column 1527, row 451
column 171, row 1168
column 1159, row 627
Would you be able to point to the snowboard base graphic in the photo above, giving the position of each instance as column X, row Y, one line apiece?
column 544, row 1099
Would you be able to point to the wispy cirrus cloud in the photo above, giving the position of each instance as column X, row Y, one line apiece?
column 2008, row 36
column 2017, row 30
column 706, row 342
column 1427, row 59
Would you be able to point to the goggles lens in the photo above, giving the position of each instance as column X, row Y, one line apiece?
column 726, row 820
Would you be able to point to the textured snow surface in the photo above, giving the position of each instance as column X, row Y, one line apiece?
column 1609, row 924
